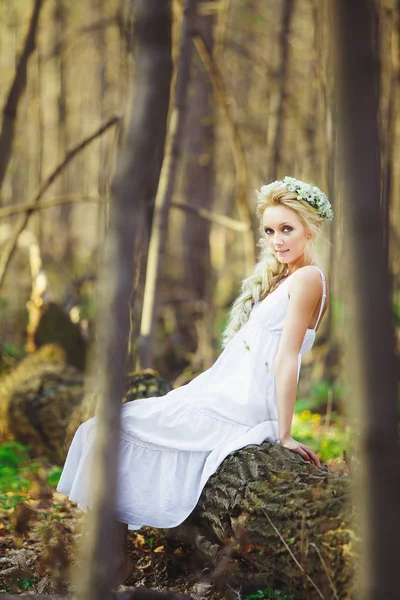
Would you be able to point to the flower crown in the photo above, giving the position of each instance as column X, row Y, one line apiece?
column 305, row 191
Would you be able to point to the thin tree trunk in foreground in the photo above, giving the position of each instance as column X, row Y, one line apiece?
column 17, row 89
column 370, row 347
column 166, row 186
column 129, row 193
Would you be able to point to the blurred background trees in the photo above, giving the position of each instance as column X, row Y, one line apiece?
column 261, row 104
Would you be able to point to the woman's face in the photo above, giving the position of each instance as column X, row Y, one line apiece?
column 286, row 235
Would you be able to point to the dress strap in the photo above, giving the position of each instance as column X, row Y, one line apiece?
column 323, row 296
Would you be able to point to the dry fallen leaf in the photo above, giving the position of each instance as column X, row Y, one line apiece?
column 139, row 541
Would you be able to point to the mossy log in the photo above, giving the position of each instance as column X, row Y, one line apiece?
column 37, row 400
column 43, row 401
column 284, row 522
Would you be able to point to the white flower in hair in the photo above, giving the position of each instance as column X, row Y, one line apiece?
column 304, row 191
column 311, row 194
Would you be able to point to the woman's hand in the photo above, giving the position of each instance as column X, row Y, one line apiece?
column 304, row 451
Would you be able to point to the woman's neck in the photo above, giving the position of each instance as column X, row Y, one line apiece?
column 292, row 268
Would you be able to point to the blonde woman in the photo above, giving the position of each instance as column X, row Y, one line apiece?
column 170, row 446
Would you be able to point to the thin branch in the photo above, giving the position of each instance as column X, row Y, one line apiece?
column 72, row 153
column 15, row 93
column 326, row 570
column 100, row 24
column 23, row 221
column 9, row 211
column 293, row 556
column 222, row 220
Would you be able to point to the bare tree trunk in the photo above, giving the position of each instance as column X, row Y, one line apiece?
column 130, row 194
column 284, row 38
column 104, row 87
column 370, row 347
column 390, row 23
column 64, row 213
column 15, row 93
column 198, row 189
column 159, row 47
column 166, row 185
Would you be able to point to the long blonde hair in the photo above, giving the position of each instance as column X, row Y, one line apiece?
column 268, row 270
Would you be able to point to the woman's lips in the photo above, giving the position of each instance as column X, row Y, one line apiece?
column 281, row 251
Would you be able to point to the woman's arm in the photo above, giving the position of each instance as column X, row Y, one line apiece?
column 286, row 388
column 305, row 291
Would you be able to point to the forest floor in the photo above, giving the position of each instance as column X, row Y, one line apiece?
column 40, row 530
column 37, row 550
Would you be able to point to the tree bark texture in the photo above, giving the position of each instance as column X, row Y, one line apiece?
column 288, row 522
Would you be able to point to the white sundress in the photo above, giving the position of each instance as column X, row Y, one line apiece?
column 171, row 445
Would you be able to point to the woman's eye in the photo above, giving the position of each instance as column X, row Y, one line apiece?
column 285, row 228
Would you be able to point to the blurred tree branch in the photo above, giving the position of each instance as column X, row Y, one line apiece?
column 9, row 211
column 221, row 220
column 63, row 40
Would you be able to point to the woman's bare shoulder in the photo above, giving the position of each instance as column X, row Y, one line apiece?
column 307, row 284
column 309, row 275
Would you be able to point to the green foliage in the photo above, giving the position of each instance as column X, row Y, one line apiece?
column 17, row 472
column 53, row 476
column 12, row 350
column 20, row 584
column 319, row 394
column 396, row 308
column 150, row 542
column 14, row 468
column 270, row 594
column 328, row 442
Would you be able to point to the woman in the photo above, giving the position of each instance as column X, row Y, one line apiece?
column 171, row 445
